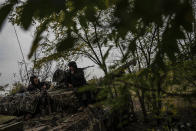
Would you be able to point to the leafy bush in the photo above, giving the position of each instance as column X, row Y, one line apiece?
column 17, row 88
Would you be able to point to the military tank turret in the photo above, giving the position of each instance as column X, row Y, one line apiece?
column 60, row 99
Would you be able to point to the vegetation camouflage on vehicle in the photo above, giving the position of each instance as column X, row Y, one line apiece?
column 28, row 102
column 63, row 99
column 21, row 102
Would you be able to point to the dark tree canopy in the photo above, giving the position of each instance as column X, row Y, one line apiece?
column 156, row 37
column 129, row 16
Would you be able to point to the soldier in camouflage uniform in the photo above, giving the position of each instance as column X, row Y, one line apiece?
column 75, row 75
column 76, row 80
column 43, row 103
column 60, row 77
column 35, row 84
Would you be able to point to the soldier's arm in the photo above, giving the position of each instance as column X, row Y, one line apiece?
column 68, row 77
column 79, row 74
column 30, row 88
column 80, row 79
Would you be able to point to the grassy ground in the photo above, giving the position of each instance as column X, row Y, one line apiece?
column 6, row 119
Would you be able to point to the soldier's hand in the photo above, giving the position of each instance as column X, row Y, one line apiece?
column 44, row 86
column 72, row 71
column 70, row 85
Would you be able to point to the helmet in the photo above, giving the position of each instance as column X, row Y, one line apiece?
column 32, row 79
column 72, row 64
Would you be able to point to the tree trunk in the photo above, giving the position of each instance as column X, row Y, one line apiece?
column 142, row 104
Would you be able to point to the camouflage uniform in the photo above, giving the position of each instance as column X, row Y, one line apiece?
column 77, row 80
column 44, row 103
column 20, row 103
column 60, row 77
column 33, row 86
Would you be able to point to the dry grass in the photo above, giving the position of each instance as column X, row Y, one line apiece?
column 5, row 119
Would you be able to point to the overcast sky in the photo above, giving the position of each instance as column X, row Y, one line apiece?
column 10, row 53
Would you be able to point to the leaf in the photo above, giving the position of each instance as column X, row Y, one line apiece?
column 83, row 21
column 78, row 4
column 149, row 11
column 126, row 20
column 43, row 60
column 39, row 9
column 68, row 19
column 2, row 88
column 4, row 12
column 34, row 46
column 193, row 48
column 38, row 37
column 107, row 53
column 27, row 15
column 185, row 16
column 90, row 13
column 66, row 43
column 131, row 49
column 169, row 42
column 158, row 62
column 107, row 3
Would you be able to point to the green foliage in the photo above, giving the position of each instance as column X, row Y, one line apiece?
column 5, row 10
column 184, row 75
column 159, row 13
column 39, row 9
column 2, row 88
column 66, row 43
column 153, row 89
column 150, row 31
column 130, row 16
column 38, row 37
column 17, row 87
column 90, row 87
column 5, row 118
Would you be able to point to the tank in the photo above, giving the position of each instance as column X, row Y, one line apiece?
column 62, row 110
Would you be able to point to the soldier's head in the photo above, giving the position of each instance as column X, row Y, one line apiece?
column 34, row 80
column 72, row 65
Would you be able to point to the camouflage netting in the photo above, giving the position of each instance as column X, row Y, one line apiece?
column 60, row 100
column 66, row 112
column 89, row 119
column 63, row 100
column 19, row 103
